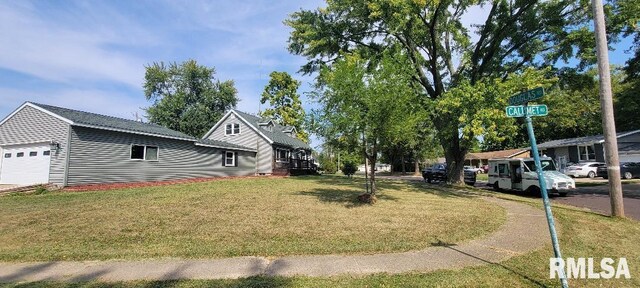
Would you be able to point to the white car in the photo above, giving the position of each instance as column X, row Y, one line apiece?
column 584, row 169
column 474, row 169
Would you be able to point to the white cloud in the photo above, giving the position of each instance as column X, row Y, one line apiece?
column 109, row 103
column 51, row 51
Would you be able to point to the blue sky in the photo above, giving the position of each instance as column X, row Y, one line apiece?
column 90, row 55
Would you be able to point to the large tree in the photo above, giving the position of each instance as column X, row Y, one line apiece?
column 449, row 61
column 187, row 97
column 366, row 104
column 285, row 106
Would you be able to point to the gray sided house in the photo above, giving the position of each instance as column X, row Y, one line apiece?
column 279, row 152
column 591, row 148
column 48, row 144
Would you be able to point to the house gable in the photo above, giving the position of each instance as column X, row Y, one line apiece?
column 30, row 125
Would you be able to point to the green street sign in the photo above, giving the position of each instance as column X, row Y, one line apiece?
column 526, row 96
column 532, row 110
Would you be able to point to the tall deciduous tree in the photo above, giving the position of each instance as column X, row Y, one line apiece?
column 365, row 104
column 448, row 62
column 187, row 97
column 286, row 108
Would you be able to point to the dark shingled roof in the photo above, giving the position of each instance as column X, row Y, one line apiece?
column 223, row 144
column 81, row 118
column 579, row 141
column 277, row 135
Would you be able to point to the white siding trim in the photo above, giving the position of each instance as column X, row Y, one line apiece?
column 217, row 124
column 38, row 108
column 227, row 148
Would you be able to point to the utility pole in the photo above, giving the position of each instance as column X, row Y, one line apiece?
column 606, row 104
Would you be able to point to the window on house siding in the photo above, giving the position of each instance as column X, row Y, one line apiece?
column 229, row 158
column 142, row 152
column 282, row 155
column 151, row 153
column 232, row 129
column 137, row 152
column 587, row 152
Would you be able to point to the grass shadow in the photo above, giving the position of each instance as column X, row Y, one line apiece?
column 441, row 190
column 521, row 274
column 342, row 196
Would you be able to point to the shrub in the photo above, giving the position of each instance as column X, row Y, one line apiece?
column 41, row 190
column 349, row 168
column 327, row 165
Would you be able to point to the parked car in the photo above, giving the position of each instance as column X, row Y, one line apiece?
column 438, row 172
column 474, row 169
column 628, row 170
column 584, row 169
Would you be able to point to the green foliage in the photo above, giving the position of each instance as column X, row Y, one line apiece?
column 327, row 164
column 452, row 69
column 574, row 103
column 365, row 104
column 41, row 189
column 186, row 97
column 349, row 168
column 286, row 108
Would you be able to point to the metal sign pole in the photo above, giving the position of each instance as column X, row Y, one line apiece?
column 545, row 195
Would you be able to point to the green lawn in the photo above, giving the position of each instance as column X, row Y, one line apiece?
column 583, row 234
column 259, row 216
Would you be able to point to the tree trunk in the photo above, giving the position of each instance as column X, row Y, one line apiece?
column 404, row 169
column 454, row 153
column 416, row 169
column 372, row 161
column 455, row 163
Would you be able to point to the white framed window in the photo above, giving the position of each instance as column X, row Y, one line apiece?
column 144, row 152
column 229, row 159
column 586, row 153
column 282, row 155
column 232, row 129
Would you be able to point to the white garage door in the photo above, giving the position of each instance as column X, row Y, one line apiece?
column 25, row 165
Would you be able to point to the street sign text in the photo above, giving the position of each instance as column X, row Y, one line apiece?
column 532, row 110
column 527, row 96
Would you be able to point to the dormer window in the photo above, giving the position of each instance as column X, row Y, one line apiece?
column 232, row 129
column 267, row 125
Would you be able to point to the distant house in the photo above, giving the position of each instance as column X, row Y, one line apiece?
column 591, row 148
column 279, row 152
column 48, row 144
column 482, row 158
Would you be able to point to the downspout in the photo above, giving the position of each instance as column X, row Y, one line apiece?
column 65, row 181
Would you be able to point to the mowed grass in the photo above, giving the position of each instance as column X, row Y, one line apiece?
column 583, row 234
column 257, row 216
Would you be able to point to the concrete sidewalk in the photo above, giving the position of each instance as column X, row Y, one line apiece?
column 525, row 230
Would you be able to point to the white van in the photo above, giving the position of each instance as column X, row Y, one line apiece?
column 519, row 174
